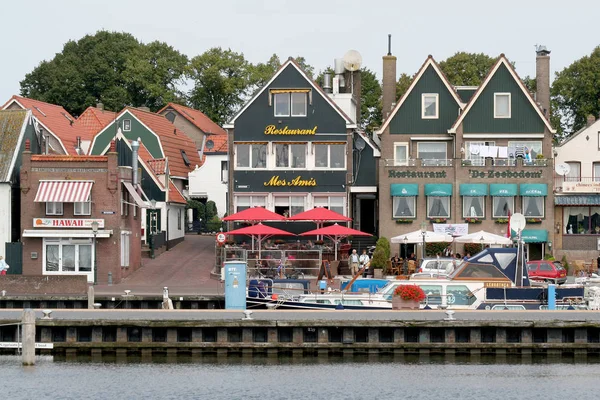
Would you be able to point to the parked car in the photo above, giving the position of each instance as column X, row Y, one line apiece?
column 547, row 271
column 435, row 266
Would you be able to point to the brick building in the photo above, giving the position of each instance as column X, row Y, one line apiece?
column 62, row 196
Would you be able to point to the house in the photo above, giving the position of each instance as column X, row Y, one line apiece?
column 16, row 126
column 166, row 157
column 208, row 181
column 453, row 156
column 577, row 194
column 90, row 122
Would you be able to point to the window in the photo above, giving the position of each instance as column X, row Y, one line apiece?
column 54, row 208
column 473, row 206
column 179, row 219
column 290, row 104
column 82, row 208
column 333, row 203
column 546, row 267
column 429, row 105
column 533, row 206
column 290, row 155
column 251, row 155
column 501, row 206
column 126, row 125
column 124, row 203
column 186, row 160
column 404, row 207
column 581, row 220
column 401, row 153
column 289, row 205
column 224, row 171
column 473, row 152
column 438, row 207
column 330, row 155
column 431, row 152
column 596, row 171
column 125, row 248
column 62, row 256
column 170, row 115
column 574, row 174
column 501, row 105
column 520, row 148
column 244, row 202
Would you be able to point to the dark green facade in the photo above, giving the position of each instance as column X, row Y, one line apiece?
column 299, row 181
column 524, row 118
column 150, row 188
column 364, row 166
column 407, row 119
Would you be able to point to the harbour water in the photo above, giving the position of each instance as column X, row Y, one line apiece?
column 266, row 379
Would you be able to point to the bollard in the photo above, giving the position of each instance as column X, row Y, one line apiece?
column 110, row 279
column 28, row 339
column 91, row 296
column 551, row 297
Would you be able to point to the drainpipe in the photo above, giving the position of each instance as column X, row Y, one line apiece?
column 135, row 145
column 167, row 230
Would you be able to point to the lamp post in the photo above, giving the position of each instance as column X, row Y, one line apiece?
column 423, row 233
column 95, row 231
column 481, row 240
column 405, row 255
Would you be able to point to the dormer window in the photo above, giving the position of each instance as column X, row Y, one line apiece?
column 502, row 105
column 186, row 160
column 170, row 116
column 126, row 125
column 290, row 103
column 429, row 105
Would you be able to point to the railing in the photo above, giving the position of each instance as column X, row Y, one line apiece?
column 579, row 184
column 390, row 162
column 307, row 262
column 448, row 162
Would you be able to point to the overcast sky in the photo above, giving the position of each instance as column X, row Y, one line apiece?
column 319, row 30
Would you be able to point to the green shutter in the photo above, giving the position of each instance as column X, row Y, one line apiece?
column 533, row 189
column 404, row 189
column 503, row 189
column 438, row 189
column 473, row 189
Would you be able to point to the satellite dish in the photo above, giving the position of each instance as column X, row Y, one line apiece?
column 352, row 60
column 210, row 144
column 359, row 143
column 517, row 222
column 562, row 169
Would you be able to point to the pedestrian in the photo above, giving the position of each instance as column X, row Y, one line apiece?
column 3, row 266
column 353, row 262
column 364, row 262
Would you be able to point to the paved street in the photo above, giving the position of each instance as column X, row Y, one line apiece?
column 185, row 270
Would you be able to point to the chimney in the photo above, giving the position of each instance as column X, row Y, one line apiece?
column 327, row 82
column 46, row 143
column 144, row 108
column 389, row 80
column 135, row 146
column 590, row 120
column 27, row 145
column 542, row 77
column 113, row 146
column 100, row 106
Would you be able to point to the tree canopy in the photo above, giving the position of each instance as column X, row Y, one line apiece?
column 467, row 69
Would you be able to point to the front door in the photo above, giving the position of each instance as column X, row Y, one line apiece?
column 367, row 215
column 152, row 223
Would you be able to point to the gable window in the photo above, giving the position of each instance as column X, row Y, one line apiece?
column 83, row 208
column 401, row 153
column 429, row 105
column 502, row 105
column 251, row 155
column 126, row 125
column 290, row 104
column 170, row 115
column 289, row 155
column 54, row 208
column 330, row 155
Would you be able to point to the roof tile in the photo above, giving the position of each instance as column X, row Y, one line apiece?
column 11, row 124
column 196, row 117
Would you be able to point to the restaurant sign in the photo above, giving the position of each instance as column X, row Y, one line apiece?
column 474, row 173
column 416, row 174
column 66, row 223
column 297, row 181
column 581, row 187
column 272, row 130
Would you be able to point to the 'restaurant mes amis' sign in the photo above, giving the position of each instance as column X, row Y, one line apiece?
column 66, row 223
column 297, row 181
column 273, row 130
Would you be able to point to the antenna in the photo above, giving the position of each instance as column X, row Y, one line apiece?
column 352, row 60
column 389, row 44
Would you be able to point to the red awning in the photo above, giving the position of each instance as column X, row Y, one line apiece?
column 64, row 191
column 319, row 214
column 255, row 214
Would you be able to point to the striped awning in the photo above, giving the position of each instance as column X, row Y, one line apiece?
column 64, row 191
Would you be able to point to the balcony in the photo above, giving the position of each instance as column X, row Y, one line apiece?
column 576, row 184
column 418, row 162
column 487, row 162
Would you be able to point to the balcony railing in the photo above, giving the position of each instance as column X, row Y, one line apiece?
column 577, row 184
column 488, row 162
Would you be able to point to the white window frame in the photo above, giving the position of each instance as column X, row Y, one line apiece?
column 288, row 96
column 448, row 209
column 83, row 207
column 423, row 143
column 305, row 97
column 408, row 199
column 276, row 196
column 125, row 249
column 398, row 162
column 468, row 214
column 250, row 167
column 60, row 242
column 253, row 200
column 543, row 208
column 496, row 95
column 437, row 105
column 290, row 155
column 289, row 102
column 328, row 166
column 511, row 207
column 316, row 196
column 54, row 208
column 127, row 125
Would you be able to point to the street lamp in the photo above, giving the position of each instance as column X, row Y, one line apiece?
column 423, row 233
column 481, row 240
column 95, row 226
column 405, row 255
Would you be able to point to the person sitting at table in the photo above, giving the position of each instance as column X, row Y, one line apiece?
column 310, row 244
column 395, row 260
column 269, row 244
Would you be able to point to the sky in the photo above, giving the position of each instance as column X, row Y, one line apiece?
column 319, row 30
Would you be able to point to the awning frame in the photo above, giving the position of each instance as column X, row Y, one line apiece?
column 136, row 197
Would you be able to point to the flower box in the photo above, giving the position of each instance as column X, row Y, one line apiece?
column 534, row 220
column 473, row 220
column 501, row 221
column 400, row 304
column 438, row 220
column 404, row 221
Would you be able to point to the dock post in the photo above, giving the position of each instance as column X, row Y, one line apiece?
column 91, row 297
column 28, row 339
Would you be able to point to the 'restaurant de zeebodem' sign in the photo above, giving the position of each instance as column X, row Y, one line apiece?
column 273, row 130
column 522, row 174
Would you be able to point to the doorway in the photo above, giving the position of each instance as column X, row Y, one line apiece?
column 365, row 213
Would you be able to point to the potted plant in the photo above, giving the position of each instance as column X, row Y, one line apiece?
column 473, row 220
column 407, row 297
column 404, row 221
column 501, row 221
column 380, row 257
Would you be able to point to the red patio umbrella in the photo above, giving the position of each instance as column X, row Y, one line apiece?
column 261, row 232
column 335, row 232
column 319, row 215
column 254, row 215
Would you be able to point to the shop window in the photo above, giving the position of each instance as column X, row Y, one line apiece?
column 582, row 220
column 501, row 206
column 289, row 205
column 330, row 155
column 473, row 206
column 400, row 154
column 244, row 202
column 429, row 105
column 502, row 105
column 333, row 203
column 63, row 256
column 533, row 206
column 83, row 208
column 251, row 155
column 438, row 207
column 431, row 152
column 404, row 207
column 126, row 125
column 290, row 104
column 125, row 248
column 54, row 208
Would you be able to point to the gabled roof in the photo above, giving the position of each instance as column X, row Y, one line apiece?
column 428, row 62
column 501, row 61
column 55, row 119
column 196, row 117
column 290, row 61
column 92, row 121
column 574, row 135
column 173, row 142
column 12, row 129
column 219, row 146
column 175, row 195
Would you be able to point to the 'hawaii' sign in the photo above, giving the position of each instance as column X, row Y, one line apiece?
column 66, row 223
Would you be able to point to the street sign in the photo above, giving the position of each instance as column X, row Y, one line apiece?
column 221, row 237
column 108, row 212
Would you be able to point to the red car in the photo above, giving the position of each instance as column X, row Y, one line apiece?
column 547, row 271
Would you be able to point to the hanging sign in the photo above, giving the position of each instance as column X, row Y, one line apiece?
column 66, row 223
column 451, row 229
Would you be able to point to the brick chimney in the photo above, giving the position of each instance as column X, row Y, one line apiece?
column 542, row 77
column 590, row 120
column 389, row 80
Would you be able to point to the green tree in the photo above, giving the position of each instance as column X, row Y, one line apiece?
column 402, row 85
column 370, row 100
column 467, row 69
column 210, row 210
column 111, row 67
column 575, row 93
column 214, row 224
column 261, row 73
